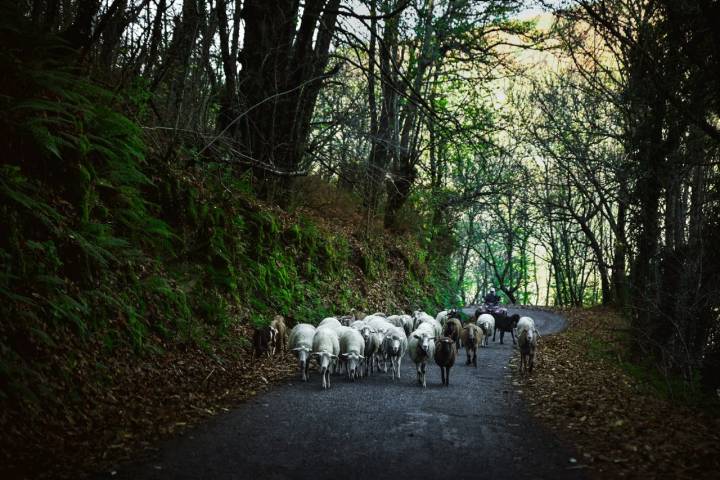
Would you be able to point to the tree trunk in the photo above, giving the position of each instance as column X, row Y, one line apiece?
column 381, row 152
column 78, row 35
column 619, row 274
column 116, row 23
column 178, row 55
column 228, row 97
column 403, row 176
column 281, row 76
column 601, row 264
column 155, row 38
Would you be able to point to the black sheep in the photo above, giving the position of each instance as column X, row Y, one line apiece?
column 505, row 323
column 445, row 354
column 261, row 341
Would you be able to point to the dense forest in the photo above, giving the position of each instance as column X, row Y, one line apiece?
column 174, row 172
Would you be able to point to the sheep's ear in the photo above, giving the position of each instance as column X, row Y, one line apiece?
column 344, row 355
column 361, row 356
column 333, row 356
column 298, row 348
column 416, row 336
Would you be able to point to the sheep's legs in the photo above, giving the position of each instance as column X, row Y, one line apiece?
column 325, row 373
column 513, row 336
column 395, row 366
column 526, row 361
column 531, row 361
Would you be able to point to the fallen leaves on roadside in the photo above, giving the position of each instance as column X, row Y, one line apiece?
column 149, row 398
column 620, row 428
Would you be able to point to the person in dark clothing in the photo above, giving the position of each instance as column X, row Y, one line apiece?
column 492, row 299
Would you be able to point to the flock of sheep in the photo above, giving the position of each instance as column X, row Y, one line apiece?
column 362, row 346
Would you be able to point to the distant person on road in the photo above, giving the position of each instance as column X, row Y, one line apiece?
column 492, row 299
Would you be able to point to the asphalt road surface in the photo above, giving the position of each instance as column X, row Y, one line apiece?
column 375, row 429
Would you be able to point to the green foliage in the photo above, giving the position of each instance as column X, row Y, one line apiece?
column 102, row 247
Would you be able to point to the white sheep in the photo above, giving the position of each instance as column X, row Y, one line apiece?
column 331, row 322
column 334, row 324
column 370, row 318
column 487, row 323
column 525, row 323
column 435, row 324
column 372, row 344
column 326, row 347
column 340, row 361
column 301, row 343
column 445, row 315
column 380, row 327
column 378, row 323
column 403, row 321
column 442, row 317
column 352, row 348
column 394, row 346
column 418, row 317
column 527, row 337
column 421, row 346
column 359, row 324
column 407, row 323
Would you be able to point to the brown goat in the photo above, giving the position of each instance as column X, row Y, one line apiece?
column 453, row 329
column 278, row 335
column 472, row 337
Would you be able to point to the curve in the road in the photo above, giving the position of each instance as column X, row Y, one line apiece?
column 375, row 429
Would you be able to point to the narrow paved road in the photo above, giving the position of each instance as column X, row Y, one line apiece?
column 375, row 429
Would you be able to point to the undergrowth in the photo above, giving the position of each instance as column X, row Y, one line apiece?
column 614, row 344
column 110, row 245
